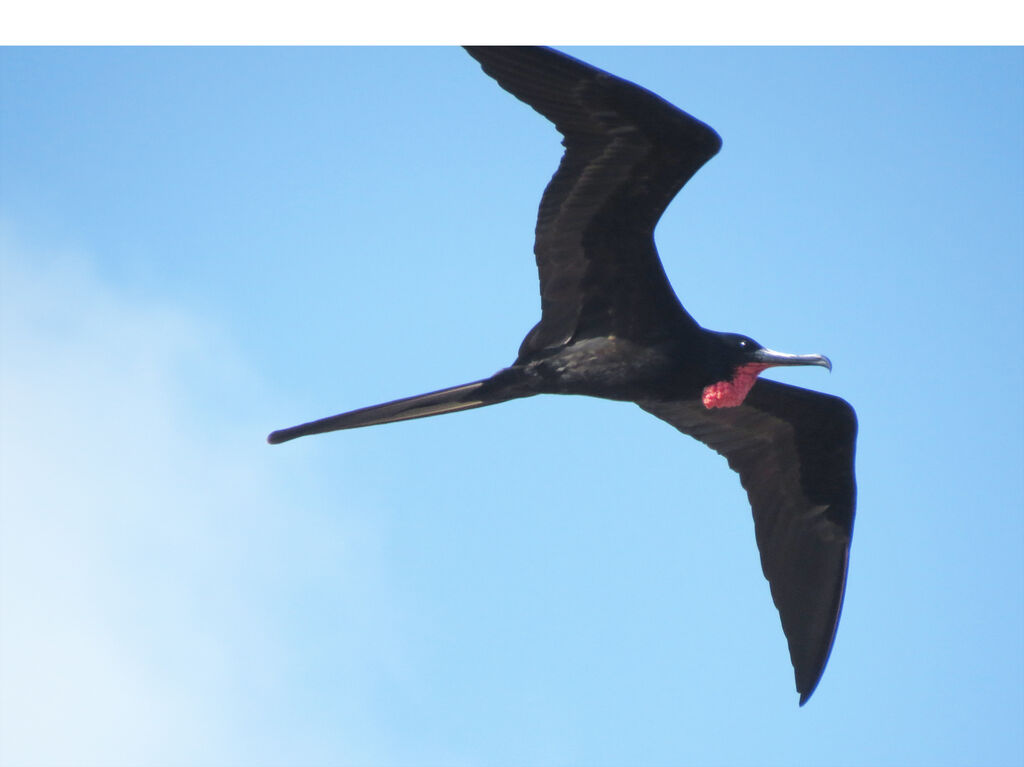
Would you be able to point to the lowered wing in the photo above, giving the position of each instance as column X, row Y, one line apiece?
column 794, row 451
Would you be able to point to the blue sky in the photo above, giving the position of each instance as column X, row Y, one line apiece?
column 198, row 246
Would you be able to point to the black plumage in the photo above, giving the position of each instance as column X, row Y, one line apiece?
column 611, row 326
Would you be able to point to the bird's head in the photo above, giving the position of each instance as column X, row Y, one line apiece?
column 737, row 361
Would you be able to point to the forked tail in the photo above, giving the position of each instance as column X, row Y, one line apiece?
column 471, row 395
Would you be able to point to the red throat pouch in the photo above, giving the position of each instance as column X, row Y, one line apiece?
column 731, row 393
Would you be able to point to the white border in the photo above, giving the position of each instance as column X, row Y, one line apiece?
column 668, row 22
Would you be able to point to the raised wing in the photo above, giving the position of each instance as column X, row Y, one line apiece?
column 627, row 153
column 793, row 449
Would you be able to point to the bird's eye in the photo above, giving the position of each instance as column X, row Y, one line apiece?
column 743, row 343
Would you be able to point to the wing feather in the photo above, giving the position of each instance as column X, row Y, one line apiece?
column 794, row 451
column 627, row 153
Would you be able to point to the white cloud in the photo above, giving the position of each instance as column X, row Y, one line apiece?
column 151, row 606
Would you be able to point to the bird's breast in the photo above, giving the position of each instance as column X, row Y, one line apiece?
column 614, row 368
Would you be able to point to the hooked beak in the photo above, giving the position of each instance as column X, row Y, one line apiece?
column 773, row 358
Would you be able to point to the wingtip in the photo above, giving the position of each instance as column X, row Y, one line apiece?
column 806, row 687
column 805, row 695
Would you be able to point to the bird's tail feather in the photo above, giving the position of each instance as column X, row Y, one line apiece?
column 464, row 397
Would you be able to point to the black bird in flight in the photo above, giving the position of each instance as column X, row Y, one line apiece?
column 611, row 326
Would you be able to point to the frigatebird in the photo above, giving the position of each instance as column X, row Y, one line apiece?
column 611, row 326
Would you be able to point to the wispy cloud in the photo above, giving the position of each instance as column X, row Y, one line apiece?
column 167, row 595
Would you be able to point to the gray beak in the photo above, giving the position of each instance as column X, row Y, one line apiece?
column 773, row 358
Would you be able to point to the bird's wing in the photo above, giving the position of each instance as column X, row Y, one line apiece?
column 627, row 153
column 794, row 450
